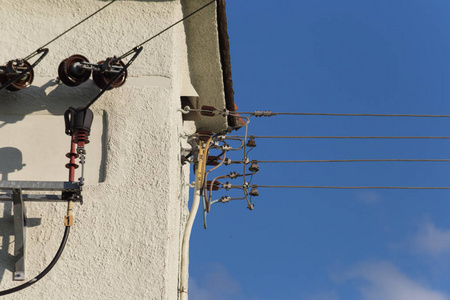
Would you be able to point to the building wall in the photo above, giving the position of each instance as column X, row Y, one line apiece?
column 125, row 241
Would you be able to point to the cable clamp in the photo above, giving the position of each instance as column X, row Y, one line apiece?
column 245, row 185
column 68, row 220
column 226, row 147
column 226, row 185
column 225, row 199
column 225, row 112
column 233, row 175
column 260, row 113
column 246, row 160
column 227, row 161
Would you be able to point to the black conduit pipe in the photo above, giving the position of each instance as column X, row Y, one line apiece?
column 46, row 270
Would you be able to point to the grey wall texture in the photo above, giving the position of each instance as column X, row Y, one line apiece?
column 125, row 242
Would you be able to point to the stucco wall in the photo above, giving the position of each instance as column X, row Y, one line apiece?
column 126, row 237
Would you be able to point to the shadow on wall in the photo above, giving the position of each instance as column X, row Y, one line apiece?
column 16, row 105
column 10, row 162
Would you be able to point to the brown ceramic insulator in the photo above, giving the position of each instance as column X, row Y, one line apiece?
column 21, row 83
column 213, row 160
column 204, row 135
column 215, row 185
column 71, row 76
column 101, row 79
column 208, row 111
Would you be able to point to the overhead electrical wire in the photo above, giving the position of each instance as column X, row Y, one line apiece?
column 32, row 54
column 167, row 28
column 352, row 160
column 349, row 187
column 340, row 137
column 267, row 113
column 137, row 50
column 44, row 50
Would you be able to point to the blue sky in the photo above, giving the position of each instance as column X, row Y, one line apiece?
column 335, row 57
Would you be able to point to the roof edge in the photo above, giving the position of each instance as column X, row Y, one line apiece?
column 225, row 58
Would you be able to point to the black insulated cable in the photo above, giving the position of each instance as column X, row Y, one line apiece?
column 342, row 137
column 79, row 23
column 137, row 51
column 45, row 271
column 167, row 28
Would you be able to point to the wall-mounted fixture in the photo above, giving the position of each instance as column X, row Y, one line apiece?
column 78, row 125
column 77, row 69
column 18, row 74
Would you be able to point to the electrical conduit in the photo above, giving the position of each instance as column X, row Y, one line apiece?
column 199, row 181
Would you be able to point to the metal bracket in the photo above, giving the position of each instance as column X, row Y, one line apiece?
column 71, row 191
column 20, row 235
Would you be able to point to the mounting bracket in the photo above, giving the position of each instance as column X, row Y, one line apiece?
column 70, row 191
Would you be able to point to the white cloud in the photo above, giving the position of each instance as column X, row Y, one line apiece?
column 214, row 283
column 367, row 197
column 432, row 240
column 383, row 281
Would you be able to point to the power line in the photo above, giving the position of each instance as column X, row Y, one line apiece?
column 211, row 112
column 353, row 160
column 340, row 137
column 269, row 114
column 167, row 28
column 350, row 187
column 82, row 21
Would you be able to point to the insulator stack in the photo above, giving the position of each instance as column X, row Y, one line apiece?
column 76, row 69
column 215, row 185
column 213, row 160
column 81, row 137
column 209, row 111
column 204, row 135
column 72, row 155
